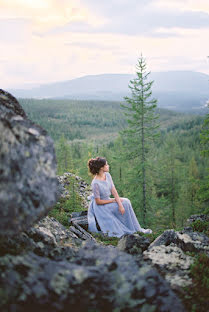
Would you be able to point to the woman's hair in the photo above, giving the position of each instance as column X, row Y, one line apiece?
column 95, row 164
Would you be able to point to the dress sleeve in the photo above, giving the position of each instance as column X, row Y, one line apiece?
column 95, row 190
column 111, row 181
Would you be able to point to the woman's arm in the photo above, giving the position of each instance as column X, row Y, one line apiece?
column 115, row 194
column 117, row 199
column 104, row 201
column 96, row 192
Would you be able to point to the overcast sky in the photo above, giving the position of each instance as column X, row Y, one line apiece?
column 43, row 41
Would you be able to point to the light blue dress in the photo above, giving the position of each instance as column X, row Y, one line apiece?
column 108, row 216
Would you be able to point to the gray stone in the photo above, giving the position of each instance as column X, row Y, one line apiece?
column 193, row 218
column 133, row 243
column 172, row 263
column 10, row 107
column 186, row 239
column 166, row 238
column 96, row 277
column 192, row 241
column 28, row 182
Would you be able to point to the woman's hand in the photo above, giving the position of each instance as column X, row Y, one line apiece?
column 114, row 200
column 121, row 209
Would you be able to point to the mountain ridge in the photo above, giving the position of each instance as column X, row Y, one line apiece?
column 173, row 89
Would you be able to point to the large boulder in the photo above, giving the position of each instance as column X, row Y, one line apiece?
column 95, row 278
column 169, row 253
column 9, row 106
column 172, row 263
column 186, row 239
column 133, row 243
column 28, row 182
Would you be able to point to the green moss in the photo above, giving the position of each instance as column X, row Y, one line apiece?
column 196, row 298
column 105, row 239
column 201, row 226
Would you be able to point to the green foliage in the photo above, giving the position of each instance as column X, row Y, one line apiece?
column 72, row 203
column 141, row 117
column 196, row 298
column 190, row 173
column 105, row 239
column 205, row 136
column 201, row 226
column 76, row 120
column 60, row 215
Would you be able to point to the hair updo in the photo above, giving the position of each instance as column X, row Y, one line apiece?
column 95, row 164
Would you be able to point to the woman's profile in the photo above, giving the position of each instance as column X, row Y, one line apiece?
column 115, row 216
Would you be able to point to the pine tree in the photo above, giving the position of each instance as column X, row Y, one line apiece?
column 142, row 128
column 204, row 187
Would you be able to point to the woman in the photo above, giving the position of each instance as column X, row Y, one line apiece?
column 115, row 216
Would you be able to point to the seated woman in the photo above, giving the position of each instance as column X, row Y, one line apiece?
column 115, row 216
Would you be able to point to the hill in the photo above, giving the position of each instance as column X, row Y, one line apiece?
column 89, row 120
column 175, row 90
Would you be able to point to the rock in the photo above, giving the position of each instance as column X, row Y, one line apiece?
column 9, row 106
column 80, row 232
column 79, row 218
column 96, row 278
column 28, row 182
column 79, row 214
column 193, row 218
column 168, row 254
column 166, row 238
column 48, row 238
column 192, row 241
column 172, row 263
column 187, row 240
column 55, row 229
column 133, row 243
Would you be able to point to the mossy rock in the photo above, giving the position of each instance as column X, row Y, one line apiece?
column 196, row 298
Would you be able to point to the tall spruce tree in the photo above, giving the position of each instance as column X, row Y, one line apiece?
column 142, row 129
column 204, row 186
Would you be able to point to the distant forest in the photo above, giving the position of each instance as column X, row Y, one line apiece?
column 85, row 129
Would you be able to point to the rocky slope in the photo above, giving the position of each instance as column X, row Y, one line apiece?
column 47, row 267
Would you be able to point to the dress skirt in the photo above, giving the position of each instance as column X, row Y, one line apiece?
column 111, row 221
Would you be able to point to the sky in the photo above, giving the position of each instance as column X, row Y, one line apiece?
column 43, row 41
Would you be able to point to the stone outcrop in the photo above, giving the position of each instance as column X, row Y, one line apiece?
column 133, row 244
column 168, row 253
column 28, row 182
column 172, row 263
column 95, row 277
column 79, row 218
column 186, row 239
column 9, row 106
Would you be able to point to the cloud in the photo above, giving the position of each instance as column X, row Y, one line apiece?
column 92, row 45
column 142, row 20
column 14, row 30
column 51, row 40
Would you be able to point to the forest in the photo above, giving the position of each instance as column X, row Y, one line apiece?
column 177, row 172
